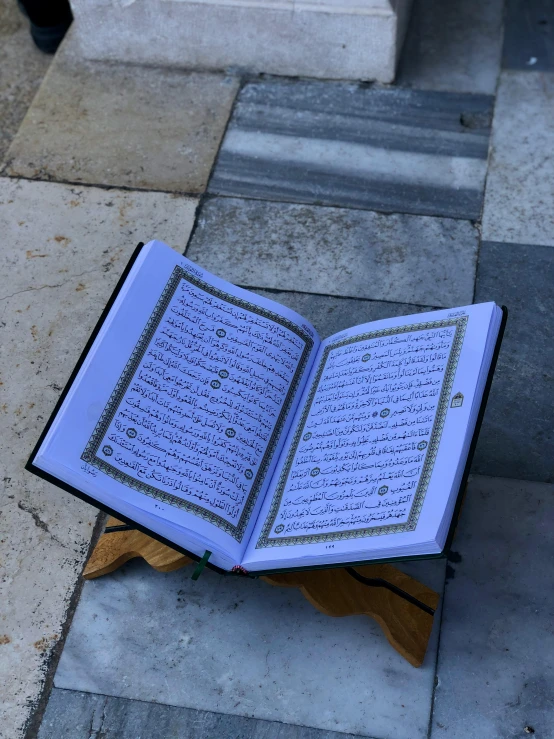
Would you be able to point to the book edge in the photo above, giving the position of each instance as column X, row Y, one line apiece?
column 461, row 490
column 33, row 469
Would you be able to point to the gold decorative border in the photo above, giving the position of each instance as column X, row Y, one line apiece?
column 90, row 452
column 266, row 541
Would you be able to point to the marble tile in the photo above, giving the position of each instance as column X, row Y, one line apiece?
column 330, row 315
column 495, row 668
column 453, row 46
column 62, row 251
column 246, row 648
column 123, row 125
column 74, row 715
column 517, row 437
column 520, row 182
column 337, row 251
column 529, row 35
column 359, row 146
column 22, row 67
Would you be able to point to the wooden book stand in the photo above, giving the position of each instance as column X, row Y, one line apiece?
column 403, row 607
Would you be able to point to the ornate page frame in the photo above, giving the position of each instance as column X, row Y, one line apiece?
column 89, row 454
column 265, row 539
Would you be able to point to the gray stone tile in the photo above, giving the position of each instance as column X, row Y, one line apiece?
column 326, row 143
column 330, row 315
column 22, row 67
column 520, row 182
column 74, row 715
column 529, row 35
column 337, row 251
column 123, row 125
column 517, row 437
column 62, row 251
column 453, row 46
column 495, row 668
column 246, row 648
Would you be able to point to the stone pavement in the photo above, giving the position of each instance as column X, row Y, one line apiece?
column 348, row 202
column 22, row 67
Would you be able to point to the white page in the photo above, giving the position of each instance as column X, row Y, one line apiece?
column 472, row 420
column 374, row 470
column 183, row 419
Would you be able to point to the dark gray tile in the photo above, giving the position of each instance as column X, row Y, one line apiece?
column 495, row 668
column 453, row 46
column 517, row 438
column 392, row 150
column 74, row 715
column 331, row 315
column 529, row 35
column 337, row 251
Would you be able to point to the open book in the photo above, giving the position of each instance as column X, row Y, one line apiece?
column 217, row 420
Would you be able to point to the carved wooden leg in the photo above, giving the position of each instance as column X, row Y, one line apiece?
column 113, row 550
column 333, row 592
column 336, row 593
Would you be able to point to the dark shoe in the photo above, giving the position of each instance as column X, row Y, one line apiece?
column 49, row 22
column 48, row 38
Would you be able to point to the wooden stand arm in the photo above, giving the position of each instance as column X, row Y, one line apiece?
column 335, row 593
column 113, row 550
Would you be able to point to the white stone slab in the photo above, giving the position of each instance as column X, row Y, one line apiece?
column 359, row 39
column 357, row 7
column 519, row 196
column 61, row 253
column 244, row 647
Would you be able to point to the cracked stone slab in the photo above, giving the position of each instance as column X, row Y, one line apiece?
column 62, row 251
column 122, row 125
column 22, row 67
column 520, row 182
column 337, row 251
column 74, row 715
column 495, row 670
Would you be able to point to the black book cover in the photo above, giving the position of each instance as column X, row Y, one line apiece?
column 31, row 467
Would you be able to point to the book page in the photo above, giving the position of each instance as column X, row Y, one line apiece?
column 202, row 401
column 364, row 443
column 368, row 435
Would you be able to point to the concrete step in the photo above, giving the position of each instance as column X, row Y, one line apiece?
column 327, row 39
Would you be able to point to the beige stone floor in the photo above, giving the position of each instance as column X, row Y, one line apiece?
column 63, row 248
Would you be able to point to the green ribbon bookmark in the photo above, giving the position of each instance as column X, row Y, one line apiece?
column 200, row 566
